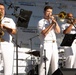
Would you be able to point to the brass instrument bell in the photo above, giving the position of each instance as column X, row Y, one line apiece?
column 62, row 15
column 1, row 31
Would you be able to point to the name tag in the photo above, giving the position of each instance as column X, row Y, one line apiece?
column 6, row 22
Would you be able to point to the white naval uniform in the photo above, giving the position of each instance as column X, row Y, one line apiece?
column 48, row 44
column 70, row 51
column 7, row 47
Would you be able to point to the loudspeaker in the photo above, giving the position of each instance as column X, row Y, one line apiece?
column 69, row 71
column 58, row 72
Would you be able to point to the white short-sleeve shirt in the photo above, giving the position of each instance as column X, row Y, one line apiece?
column 64, row 26
column 42, row 24
column 11, row 24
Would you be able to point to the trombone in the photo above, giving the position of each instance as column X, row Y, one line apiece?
column 63, row 15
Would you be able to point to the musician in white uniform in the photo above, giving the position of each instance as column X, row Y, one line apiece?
column 69, row 28
column 8, row 28
column 47, row 28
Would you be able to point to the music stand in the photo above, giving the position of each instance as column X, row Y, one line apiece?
column 68, row 40
column 24, row 19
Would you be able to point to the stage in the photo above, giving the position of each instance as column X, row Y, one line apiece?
column 64, row 71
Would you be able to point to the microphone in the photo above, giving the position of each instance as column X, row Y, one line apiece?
column 10, row 6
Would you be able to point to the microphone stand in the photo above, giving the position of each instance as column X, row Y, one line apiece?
column 45, row 60
column 15, row 9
